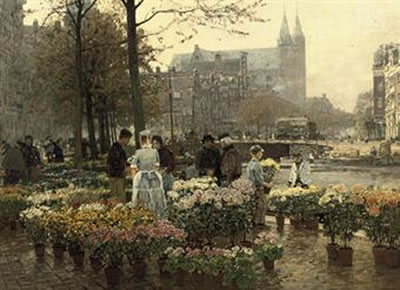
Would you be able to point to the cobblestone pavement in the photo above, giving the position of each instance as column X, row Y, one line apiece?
column 304, row 266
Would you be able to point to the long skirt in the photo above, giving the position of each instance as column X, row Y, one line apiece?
column 148, row 193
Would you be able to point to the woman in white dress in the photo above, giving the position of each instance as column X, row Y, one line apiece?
column 148, row 189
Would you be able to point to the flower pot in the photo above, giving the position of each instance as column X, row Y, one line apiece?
column 296, row 223
column 139, row 269
column 197, row 279
column 78, row 258
column 58, row 251
column 268, row 264
column 13, row 224
column 280, row 222
column 311, row 224
column 332, row 250
column 95, row 262
column 246, row 244
column 345, row 256
column 113, row 276
column 161, row 265
column 379, row 254
column 179, row 277
column 39, row 250
column 392, row 258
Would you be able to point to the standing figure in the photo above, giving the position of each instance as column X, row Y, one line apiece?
column 167, row 163
column 208, row 159
column 32, row 160
column 256, row 176
column 148, row 191
column 49, row 148
column 231, row 164
column 118, row 166
column 14, row 165
column 300, row 173
column 58, row 152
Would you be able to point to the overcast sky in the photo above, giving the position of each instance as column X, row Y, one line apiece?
column 341, row 36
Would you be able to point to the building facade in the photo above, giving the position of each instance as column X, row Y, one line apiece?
column 378, row 94
column 386, row 91
column 11, row 74
column 212, row 84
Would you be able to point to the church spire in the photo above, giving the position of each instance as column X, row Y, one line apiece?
column 284, row 37
column 298, row 32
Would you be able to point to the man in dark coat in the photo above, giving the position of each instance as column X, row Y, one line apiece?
column 14, row 165
column 32, row 160
column 118, row 165
column 208, row 159
column 167, row 162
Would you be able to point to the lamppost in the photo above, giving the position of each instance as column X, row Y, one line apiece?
column 171, row 70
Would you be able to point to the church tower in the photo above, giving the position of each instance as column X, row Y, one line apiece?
column 286, row 57
column 300, row 63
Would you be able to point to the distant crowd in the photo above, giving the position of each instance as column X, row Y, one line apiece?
column 22, row 162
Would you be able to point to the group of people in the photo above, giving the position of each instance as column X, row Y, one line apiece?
column 20, row 161
column 153, row 165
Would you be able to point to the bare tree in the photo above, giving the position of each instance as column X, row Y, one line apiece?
column 218, row 14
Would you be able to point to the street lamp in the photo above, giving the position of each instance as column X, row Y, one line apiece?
column 171, row 70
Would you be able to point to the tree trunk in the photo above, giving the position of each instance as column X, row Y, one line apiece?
column 107, row 126
column 91, row 126
column 137, row 103
column 102, row 129
column 78, row 99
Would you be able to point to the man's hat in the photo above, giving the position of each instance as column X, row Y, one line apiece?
column 208, row 138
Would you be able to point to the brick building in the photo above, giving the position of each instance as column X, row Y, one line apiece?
column 211, row 84
column 11, row 75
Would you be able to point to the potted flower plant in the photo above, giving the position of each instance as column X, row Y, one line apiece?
column 267, row 249
column 240, row 270
column 32, row 218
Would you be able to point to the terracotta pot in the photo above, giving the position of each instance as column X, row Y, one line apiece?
column 197, row 279
column 78, row 258
column 280, row 222
column 180, row 278
column 392, row 258
column 13, row 224
column 113, row 276
column 379, row 254
column 139, row 268
column 39, row 250
column 332, row 250
column 246, row 244
column 296, row 223
column 161, row 265
column 268, row 264
column 345, row 256
column 95, row 263
column 311, row 224
column 219, row 279
column 58, row 251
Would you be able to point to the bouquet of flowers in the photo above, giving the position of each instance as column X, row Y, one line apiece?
column 270, row 168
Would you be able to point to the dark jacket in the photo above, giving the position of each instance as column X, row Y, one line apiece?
column 31, row 156
column 117, row 161
column 231, row 165
column 208, row 159
column 166, row 159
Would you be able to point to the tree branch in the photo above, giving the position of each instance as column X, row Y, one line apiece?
column 166, row 11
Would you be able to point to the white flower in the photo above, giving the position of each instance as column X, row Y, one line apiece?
column 173, row 195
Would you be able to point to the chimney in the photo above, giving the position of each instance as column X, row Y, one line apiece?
column 158, row 69
column 218, row 58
